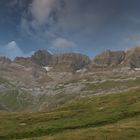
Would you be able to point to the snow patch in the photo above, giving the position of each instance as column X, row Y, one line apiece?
column 81, row 70
column 48, row 68
column 137, row 69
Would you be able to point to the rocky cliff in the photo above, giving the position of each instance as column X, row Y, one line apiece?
column 27, row 62
column 61, row 62
column 109, row 58
column 70, row 61
column 76, row 61
column 42, row 58
column 5, row 60
column 132, row 58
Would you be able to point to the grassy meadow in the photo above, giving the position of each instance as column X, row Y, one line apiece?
column 108, row 117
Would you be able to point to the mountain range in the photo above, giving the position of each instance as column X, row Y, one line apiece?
column 70, row 96
column 76, row 61
column 48, row 80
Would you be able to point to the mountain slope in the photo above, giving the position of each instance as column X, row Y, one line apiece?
column 100, row 116
column 50, row 80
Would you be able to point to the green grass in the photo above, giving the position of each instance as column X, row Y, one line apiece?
column 56, row 100
column 115, row 116
column 108, row 85
column 15, row 100
column 126, row 129
column 3, row 81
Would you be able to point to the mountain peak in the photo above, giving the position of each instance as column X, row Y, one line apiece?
column 41, row 57
column 109, row 58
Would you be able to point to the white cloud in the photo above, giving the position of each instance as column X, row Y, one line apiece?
column 11, row 50
column 45, row 16
column 63, row 43
column 40, row 10
column 39, row 18
column 25, row 26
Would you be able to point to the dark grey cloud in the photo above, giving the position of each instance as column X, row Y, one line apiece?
column 75, row 15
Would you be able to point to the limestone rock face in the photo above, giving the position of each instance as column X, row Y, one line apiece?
column 27, row 62
column 70, row 61
column 132, row 58
column 5, row 60
column 109, row 58
column 60, row 62
column 42, row 58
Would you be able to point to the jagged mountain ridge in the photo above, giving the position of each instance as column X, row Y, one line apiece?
column 69, row 61
column 130, row 58
column 109, row 58
column 76, row 61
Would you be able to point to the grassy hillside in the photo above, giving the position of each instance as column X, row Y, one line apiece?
column 15, row 100
column 115, row 116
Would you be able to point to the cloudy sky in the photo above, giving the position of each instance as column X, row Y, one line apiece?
column 85, row 26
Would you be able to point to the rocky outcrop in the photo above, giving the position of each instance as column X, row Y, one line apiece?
column 70, row 61
column 61, row 62
column 109, row 58
column 27, row 62
column 76, row 61
column 5, row 60
column 132, row 58
column 42, row 58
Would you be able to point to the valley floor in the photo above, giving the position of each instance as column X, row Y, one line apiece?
column 104, row 117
